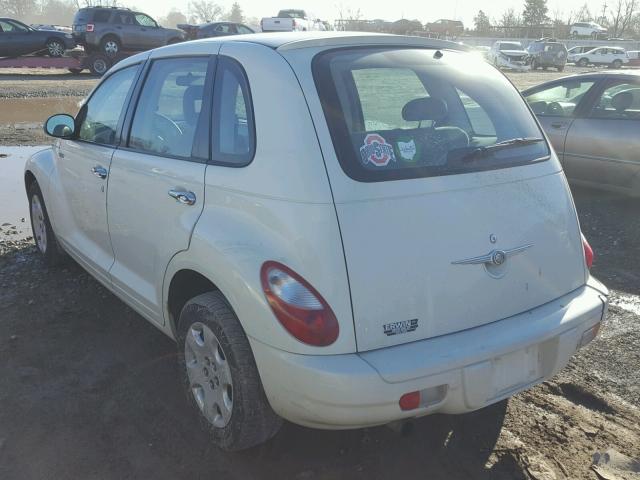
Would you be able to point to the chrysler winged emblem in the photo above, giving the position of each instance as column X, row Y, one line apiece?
column 494, row 257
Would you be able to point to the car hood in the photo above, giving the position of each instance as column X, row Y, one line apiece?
column 514, row 53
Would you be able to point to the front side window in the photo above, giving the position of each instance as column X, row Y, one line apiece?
column 410, row 113
column 620, row 101
column 168, row 111
column 233, row 124
column 103, row 111
column 561, row 99
column 13, row 27
column 244, row 30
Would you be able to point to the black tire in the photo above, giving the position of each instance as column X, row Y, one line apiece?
column 110, row 46
column 574, row 34
column 583, row 62
column 75, row 71
column 55, row 48
column 544, row 69
column 534, row 64
column 617, row 64
column 98, row 64
column 560, row 69
column 49, row 248
column 252, row 420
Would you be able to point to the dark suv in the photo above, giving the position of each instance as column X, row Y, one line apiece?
column 547, row 53
column 112, row 30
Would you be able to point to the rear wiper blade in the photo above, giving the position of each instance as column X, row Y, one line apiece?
column 513, row 142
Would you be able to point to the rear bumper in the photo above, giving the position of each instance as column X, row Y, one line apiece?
column 455, row 373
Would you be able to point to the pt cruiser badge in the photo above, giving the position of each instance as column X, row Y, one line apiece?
column 494, row 257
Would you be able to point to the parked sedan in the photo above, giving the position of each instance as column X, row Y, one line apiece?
column 216, row 29
column 17, row 39
column 593, row 121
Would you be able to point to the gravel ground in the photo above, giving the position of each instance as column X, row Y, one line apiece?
column 88, row 389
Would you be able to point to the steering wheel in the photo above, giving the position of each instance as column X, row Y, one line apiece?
column 166, row 131
column 554, row 108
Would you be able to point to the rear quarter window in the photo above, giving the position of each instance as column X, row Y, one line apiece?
column 409, row 113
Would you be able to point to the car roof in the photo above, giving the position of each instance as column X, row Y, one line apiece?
column 587, row 76
column 295, row 40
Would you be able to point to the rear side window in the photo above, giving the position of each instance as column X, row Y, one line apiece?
column 409, row 113
column 233, row 123
column 101, row 16
column 168, row 112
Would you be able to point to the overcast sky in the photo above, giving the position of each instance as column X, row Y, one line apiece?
column 425, row 10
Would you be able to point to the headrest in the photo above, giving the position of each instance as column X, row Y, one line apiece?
column 426, row 108
column 621, row 101
column 192, row 95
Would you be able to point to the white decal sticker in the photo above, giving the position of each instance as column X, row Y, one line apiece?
column 407, row 150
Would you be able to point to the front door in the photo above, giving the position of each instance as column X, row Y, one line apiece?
column 79, row 205
column 149, row 34
column 556, row 106
column 156, row 186
column 603, row 148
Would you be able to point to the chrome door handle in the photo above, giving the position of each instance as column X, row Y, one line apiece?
column 181, row 196
column 99, row 171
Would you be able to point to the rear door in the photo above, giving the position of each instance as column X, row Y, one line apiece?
column 603, row 147
column 442, row 230
column 156, row 186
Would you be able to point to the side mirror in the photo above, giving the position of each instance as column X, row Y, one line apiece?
column 60, row 126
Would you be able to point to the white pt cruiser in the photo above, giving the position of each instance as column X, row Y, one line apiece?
column 338, row 230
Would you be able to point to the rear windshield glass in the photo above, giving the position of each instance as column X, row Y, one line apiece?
column 409, row 113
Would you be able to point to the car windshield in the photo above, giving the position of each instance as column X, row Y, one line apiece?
column 407, row 113
column 510, row 46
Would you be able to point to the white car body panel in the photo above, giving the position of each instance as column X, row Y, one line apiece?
column 596, row 57
column 507, row 58
column 480, row 338
column 79, row 203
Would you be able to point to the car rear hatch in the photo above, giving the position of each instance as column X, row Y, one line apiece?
column 453, row 211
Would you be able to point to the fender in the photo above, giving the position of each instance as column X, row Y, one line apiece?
column 40, row 165
column 236, row 234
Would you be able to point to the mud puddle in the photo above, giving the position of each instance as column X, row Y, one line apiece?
column 28, row 111
column 14, row 222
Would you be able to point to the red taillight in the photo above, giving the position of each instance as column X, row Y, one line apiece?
column 298, row 306
column 588, row 252
column 410, row 401
column 90, row 27
column 294, row 24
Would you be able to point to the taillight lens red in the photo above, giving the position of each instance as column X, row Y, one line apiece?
column 588, row 252
column 90, row 27
column 298, row 306
column 409, row 401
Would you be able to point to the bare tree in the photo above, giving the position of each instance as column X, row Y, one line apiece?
column 18, row 9
column 622, row 15
column 205, row 11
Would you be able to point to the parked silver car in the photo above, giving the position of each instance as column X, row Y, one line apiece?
column 593, row 122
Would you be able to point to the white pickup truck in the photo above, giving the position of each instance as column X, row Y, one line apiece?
column 291, row 21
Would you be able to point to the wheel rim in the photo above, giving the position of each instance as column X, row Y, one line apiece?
column 111, row 47
column 55, row 49
column 209, row 375
column 100, row 66
column 38, row 223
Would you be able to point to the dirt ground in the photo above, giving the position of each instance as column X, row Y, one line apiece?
column 90, row 390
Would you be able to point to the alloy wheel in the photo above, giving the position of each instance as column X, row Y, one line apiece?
column 55, row 49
